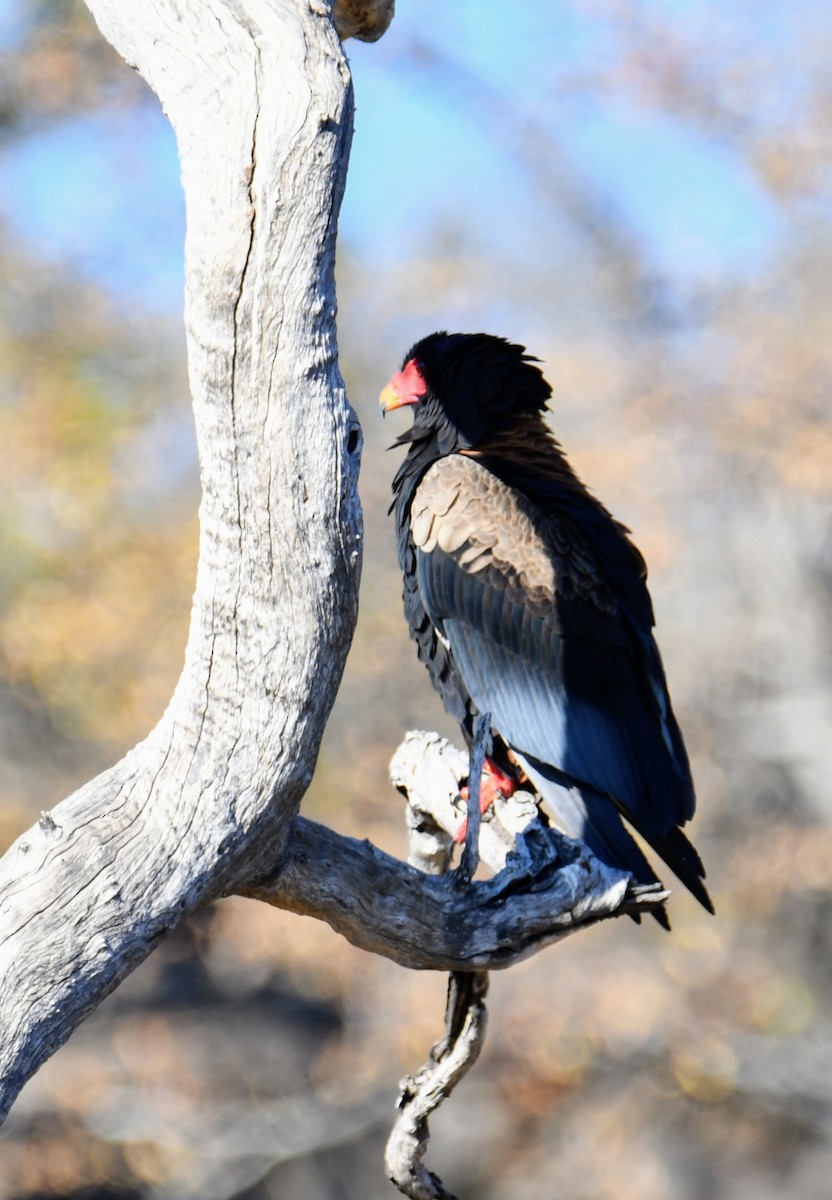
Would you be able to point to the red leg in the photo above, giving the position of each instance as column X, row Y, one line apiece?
column 495, row 782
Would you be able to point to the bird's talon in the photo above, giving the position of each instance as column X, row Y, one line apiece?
column 493, row 783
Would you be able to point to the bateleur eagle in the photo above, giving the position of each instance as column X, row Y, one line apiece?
column 528, row 600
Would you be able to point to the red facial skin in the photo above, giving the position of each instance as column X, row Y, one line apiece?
column 406, row 387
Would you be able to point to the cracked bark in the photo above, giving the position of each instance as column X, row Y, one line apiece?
column 259, row 94
column 260, row 98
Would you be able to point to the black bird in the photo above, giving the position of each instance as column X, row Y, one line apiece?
column 528, row 600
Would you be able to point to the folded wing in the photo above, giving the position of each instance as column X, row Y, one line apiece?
column 539, row 639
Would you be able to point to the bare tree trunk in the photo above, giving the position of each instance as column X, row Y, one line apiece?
column 260, row 97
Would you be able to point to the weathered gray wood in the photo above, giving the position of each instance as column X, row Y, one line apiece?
column 260, row 97
column 429, row 923
column 466, row 1017
column 550, row 886
column 528, row 858
column 466, row 1022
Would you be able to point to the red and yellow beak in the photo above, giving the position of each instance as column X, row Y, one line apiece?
column 406, row 387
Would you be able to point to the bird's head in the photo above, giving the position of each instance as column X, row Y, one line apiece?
column 465, row 387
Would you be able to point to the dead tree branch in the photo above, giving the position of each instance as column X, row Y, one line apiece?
column 259, row 94
column 426, row 923
column 466, row 1021
column 466, row 1017
column 524, row 853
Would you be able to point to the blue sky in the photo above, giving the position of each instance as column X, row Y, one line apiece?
column 102, row 192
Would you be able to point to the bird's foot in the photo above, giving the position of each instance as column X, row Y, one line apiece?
column 495, row 782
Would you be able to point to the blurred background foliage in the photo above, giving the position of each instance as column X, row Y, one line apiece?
column 641, row 193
